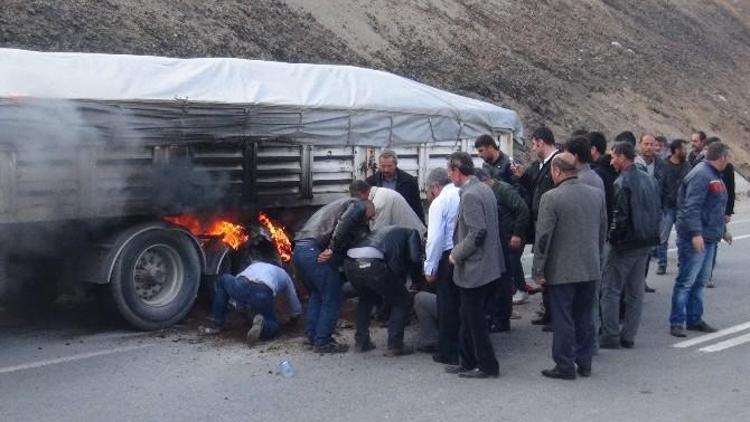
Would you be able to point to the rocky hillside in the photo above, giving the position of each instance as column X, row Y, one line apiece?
column 666, row 66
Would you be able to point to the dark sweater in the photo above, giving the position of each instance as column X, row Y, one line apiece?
column 669, row 184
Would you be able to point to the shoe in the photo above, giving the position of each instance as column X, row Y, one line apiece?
column 364, row 346
column 609, row 344
column 399, row 351
column 456, row 369
column 477, row 374
column 677, row 331
column 332, row 347
column 499, row 327
column 584, row 372
column 702, row 327
column 439, row 359
column 540, row 321
column 520, row 297
column 648, row 289
column 547, row 329
column 427, row 348
column 627, row 344
column 253, row 334
column 208, row 330
column 710, row 284
column 661, row 270
column 515, row 315
column 532, row 288
column 558, row 374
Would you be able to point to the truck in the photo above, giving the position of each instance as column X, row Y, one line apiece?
column 102, row 157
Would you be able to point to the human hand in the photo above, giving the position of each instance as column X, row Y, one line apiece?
column 540, row 280
column 325, row 256
column 727, row 219
column 518, row 169
column 431, row 278
column 516, row 243
column 451, row 260
column 698, row 245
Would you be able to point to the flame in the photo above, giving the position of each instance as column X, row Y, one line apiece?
column 278, row 236
column 234, row 235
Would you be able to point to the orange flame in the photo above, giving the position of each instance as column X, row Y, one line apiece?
column 234, row 235
column 279, row 237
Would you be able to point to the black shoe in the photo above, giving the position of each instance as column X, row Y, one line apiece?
column 627, row 344
column 476, row 374
column 364, row 346
column 547, row 328
column 399, row 351
column 540, row 321
column 677, row 331
column 445, row 361
column 558, row 374
column 427, row 348
column 496, row 327
column 456, row 369
column 608, row 344
column 648, row 289
column 332, row 348
column 584, row 372
column 661, row 270
column 702, row 327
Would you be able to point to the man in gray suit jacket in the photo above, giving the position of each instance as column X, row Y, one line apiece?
column 570, row 234
column 478, row 259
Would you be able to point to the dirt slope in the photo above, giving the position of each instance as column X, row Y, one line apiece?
column 667, row 66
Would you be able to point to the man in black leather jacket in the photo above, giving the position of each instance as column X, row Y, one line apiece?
column 377, row 267
column 391, row 177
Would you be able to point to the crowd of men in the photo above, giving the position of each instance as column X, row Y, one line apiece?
column 594, row 217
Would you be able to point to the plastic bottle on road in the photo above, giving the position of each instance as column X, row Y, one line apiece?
column 286, row 369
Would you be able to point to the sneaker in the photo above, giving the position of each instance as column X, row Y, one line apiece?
column 208, row 329
column 702, row 327
column 661, row 270
column 677, row 331
column 332, row 348
column 253, row 334
column 520, row 297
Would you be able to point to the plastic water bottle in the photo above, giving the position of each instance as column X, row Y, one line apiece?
column 286, row 369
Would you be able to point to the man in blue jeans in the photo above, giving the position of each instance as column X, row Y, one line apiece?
column 319, row 248
column 255, row 288
column 700, row 225
column 674, row 171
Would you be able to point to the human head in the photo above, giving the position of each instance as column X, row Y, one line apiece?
column 598, row 144
column 484, row 177
column 388, row 163
column 542, row 142
column 623, row 154
column 563, row 167
column 717, row 155
column 626, row 136
column 460, row 167
column 436, row 180
column 487, row 148
column 359, row 189
column 677, row 149
column 698, row 141
column 647, row 146
column 580, row 147
column 662, row 144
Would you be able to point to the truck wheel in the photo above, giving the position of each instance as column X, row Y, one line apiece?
column 156, row 279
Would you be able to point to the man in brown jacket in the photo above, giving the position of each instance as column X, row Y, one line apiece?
column 570, row 234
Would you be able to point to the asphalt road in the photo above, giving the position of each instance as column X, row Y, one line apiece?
column 70, row 369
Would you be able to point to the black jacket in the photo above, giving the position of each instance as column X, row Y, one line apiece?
column 608, row 174
column 406, row 185
column 536, row 182
column 637, row 214
column 669, row 184
column 500, row 169
column 401, row 246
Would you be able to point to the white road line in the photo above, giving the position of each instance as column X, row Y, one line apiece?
column 726, row 344
column 40, row 364
column 712, row 336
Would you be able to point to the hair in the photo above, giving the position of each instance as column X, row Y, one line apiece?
column 644, row 137
column 701, row 135
column 712, row 140
column 359, row 186
column 481, row 174
column 626, row 136
column 624, row 148
column 462, row 162
column 389, row 153
column 580, row 147
column 579, row 132
column 716, row 151
column 598, row 141
column 563, row 165
column 485, row 141
column 662, row 140
column 438, row 176
column 545, row 134
column 676, row 144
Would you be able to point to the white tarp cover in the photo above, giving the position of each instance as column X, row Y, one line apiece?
column 328, row 104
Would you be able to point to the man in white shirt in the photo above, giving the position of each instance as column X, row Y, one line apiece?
column 255, row 288
column 443, row 212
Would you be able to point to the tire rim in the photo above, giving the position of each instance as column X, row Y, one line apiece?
column 158, row 273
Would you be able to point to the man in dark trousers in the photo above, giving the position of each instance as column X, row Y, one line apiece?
column 478, row 264
column 570, row 234
column 496, row 163
column 377, row 267
column 391, row 177
column 319, row 248
column 536, row 180
column 633, row 232
column 675, row 169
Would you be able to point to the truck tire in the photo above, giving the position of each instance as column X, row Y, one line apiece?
column 155, row 279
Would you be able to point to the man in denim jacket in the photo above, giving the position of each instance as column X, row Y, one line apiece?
column 701, row 203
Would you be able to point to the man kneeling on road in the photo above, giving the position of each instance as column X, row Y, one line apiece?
column 255, row 288
column 377, row 267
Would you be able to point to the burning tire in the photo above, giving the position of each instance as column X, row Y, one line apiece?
column 156, row 279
